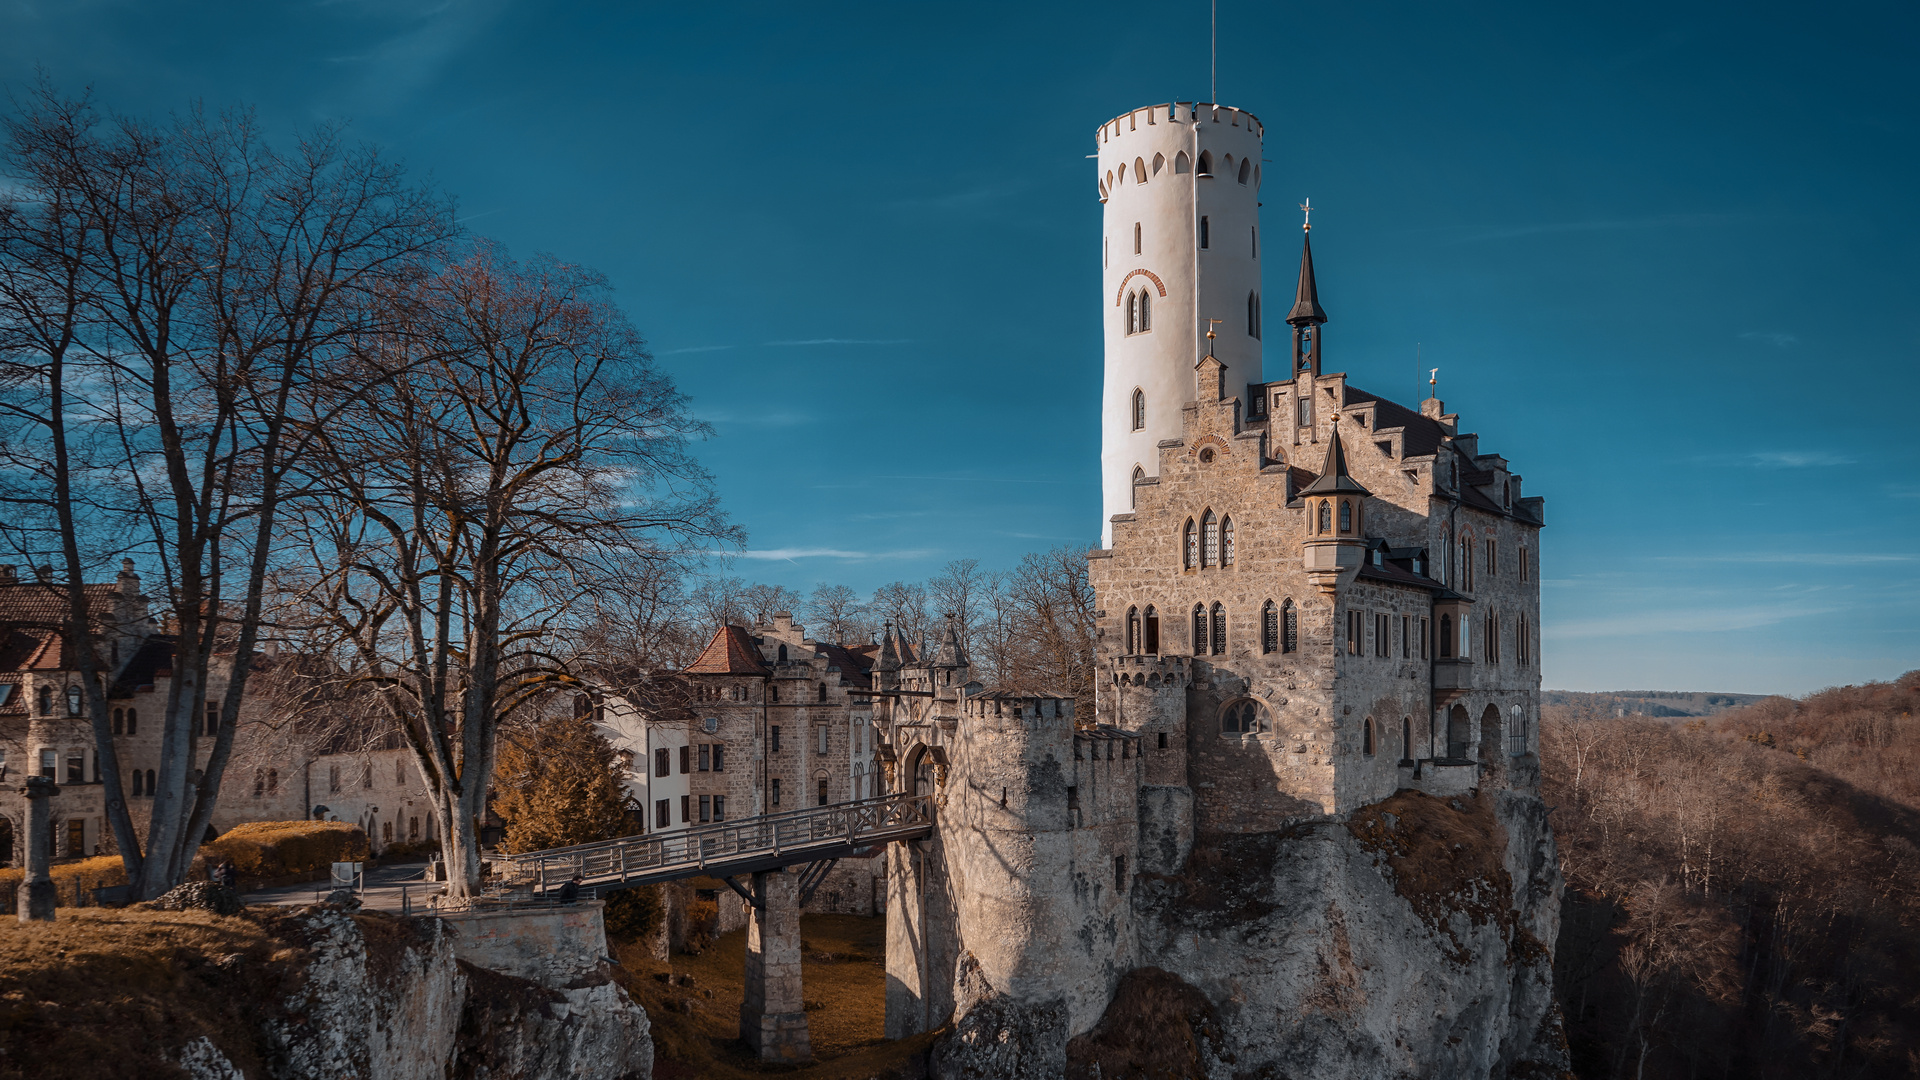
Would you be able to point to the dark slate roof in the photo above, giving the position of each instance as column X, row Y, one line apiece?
column 151, row 662
column 1420, row 435
column 1306, row 300
column 731, row 652
column 1333, row 479
column 1394, row 574
column 853, row 666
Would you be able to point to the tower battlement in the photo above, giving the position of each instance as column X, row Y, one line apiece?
column 1179, row 112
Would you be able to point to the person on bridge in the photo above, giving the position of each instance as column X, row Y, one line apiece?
column 570, row 892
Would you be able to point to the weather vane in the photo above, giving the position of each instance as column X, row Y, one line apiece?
column 1433, row 382
column 1210, row 335
column 1306, row 208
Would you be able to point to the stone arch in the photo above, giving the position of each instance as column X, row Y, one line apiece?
column 1493, row 747
column 921, row 776
column 1459, row 732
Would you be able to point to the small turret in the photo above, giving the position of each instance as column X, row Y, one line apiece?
column 1336, row 528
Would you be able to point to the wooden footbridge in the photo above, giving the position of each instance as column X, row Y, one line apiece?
column 818, row 835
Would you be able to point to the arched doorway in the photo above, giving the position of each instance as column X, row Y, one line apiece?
column 1493, row 748
column 922, row 772
column 1459, row 736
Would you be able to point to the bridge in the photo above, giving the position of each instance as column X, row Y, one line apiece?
column 819, row 834
column 773, row 1018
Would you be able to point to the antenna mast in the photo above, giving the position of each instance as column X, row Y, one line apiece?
column 1213, row 52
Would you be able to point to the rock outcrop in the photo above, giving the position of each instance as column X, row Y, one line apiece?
column 386, row 999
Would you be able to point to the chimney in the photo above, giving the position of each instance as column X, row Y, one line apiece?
column 7, row 576
column 129, row 581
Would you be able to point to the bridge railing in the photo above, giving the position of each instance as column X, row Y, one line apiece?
column 606, row 861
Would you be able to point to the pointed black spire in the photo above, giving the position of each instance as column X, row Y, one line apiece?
column 1306, row 302
column 1333, row 478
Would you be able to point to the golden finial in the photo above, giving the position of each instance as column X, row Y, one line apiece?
column 1306, row 209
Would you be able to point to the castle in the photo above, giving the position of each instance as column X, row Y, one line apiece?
column 1311, row 600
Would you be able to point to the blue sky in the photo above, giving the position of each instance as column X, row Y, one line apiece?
column 1665, row 257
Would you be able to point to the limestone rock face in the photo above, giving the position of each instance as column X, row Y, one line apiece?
column 405, row 1008
column 1406, row 941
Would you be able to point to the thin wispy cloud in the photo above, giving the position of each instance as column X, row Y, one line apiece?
column 1770, row 337
column 693, row 349
column 478, row 216
column 967, row 199
column 844, row 341
column 1663, row 221
column 1795, row 558
column 402, row 63
column 1688, row 620
column 791, row 554
column 769, row 418
column 972, row 479
column 1777, row 459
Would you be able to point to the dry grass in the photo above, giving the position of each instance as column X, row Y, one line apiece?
column 90, row 873
column 843, row 968
column 1158, row 1027
column 1448, row 857
column 104, row 994
column 271, row 849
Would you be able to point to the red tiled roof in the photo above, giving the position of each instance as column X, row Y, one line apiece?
column 731, row 652
column 35, row 603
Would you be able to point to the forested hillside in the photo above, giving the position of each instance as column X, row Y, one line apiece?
column 1743, row 891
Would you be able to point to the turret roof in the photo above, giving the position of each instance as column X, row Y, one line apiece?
column 731, row 652
column 1306, row 300
column 1333, row 479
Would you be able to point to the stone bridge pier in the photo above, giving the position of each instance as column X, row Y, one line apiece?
column 773, row 1020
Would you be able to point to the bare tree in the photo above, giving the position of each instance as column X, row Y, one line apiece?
column 171, row 298
column 521, row 454
column 905, row 606
column 763, row 601
column 1052, row 600
column 717, row 602
column 958, row 590
column 835, row 611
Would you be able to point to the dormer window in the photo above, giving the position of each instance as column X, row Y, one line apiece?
column 1377, row 559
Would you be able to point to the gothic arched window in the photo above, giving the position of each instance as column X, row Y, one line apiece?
column 1209, row 539
column 1246, row 169
column 1136, row 237
column 1242, row 717
column 1269, row 628
column 1253, row 315
column 1289, row 627
column 1206, row 163
column 1326, row 517
column 1446, row 635
column 1226, row 542
column 1139, row 410
column 1219, row 642
column 1190, row 542
column 1139, row 171
column 1146, row 311
column 1366, row 736
column 1406, row 738
column 1199, row 630
column 1133, row 631
column 1150, row 626
column 1466, row 562
column 1133, row 496
column 1133, row 313
column 1182, row 163
column 1346, row 516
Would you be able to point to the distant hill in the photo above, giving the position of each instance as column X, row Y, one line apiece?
column 1647, row 702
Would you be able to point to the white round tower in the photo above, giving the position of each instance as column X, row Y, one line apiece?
column 1180, row 188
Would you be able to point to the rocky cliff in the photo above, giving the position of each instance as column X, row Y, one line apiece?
column 1410, row 940
column 386, row 999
